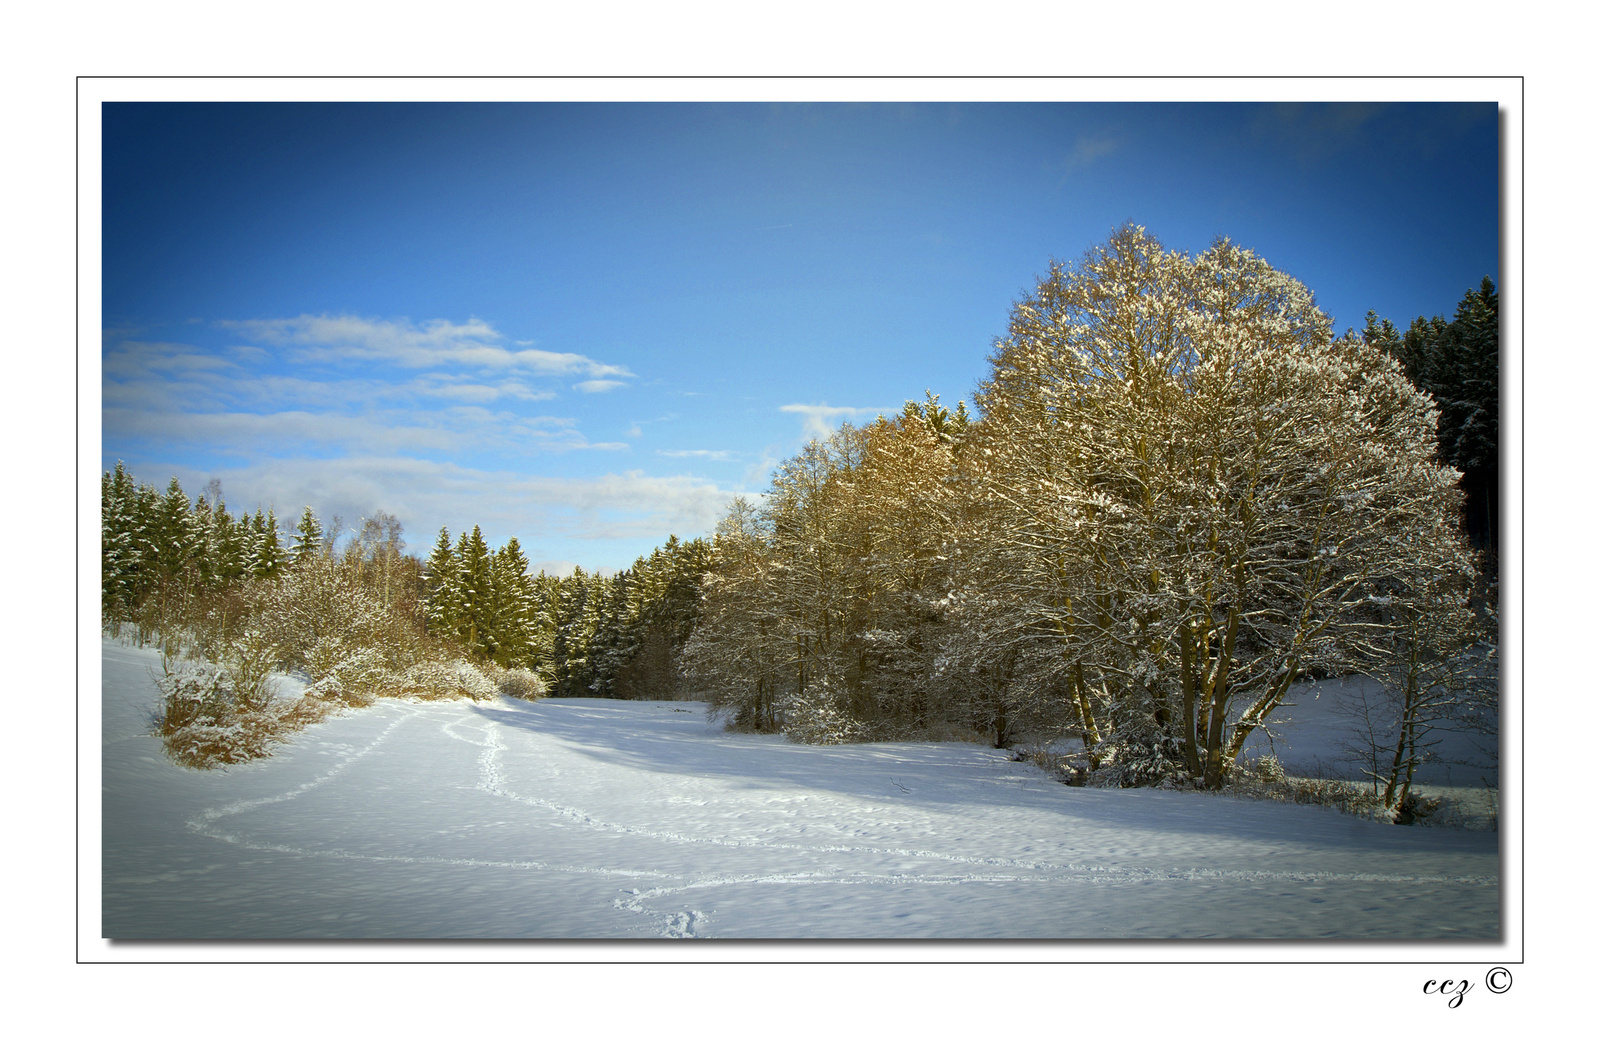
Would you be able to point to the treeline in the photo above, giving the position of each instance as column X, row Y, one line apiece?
column 585, row 634
column 162, row 546
column 191, row 575
column 1457, row 363
column 1180, row 495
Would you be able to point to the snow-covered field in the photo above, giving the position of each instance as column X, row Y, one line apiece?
column 601, row 819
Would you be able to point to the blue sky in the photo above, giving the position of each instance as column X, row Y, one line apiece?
column 588, row 325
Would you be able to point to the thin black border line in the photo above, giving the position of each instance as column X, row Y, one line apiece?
column 1522, row 473
column 797, row 76
column 77, row 555
column 77, row 207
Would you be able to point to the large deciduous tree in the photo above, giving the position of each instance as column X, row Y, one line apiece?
column 1194, row 495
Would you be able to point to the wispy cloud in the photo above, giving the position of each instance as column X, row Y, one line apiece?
column 433, row 344
column 258, row 401
column 436, row 422
column 1316, row 133
column 1088, row 150
column 759, row 471
column 700, row 453
column 427, row 494
column 598, row 386
column 253, row 414
column 462, row 388
column 821, row 419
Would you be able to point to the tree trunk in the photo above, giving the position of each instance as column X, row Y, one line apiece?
column 1218, row 708
column 1186, row 650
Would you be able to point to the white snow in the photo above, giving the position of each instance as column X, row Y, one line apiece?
column 599, row 819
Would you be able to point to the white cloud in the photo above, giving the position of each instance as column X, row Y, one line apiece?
column 132, row 359
column 178, row 395
column 433, row 344
column 760, row 471
column 701, row 453
column 545, row 513
column 161, row 416
column 460, row 388
column 821, row 420
column 250, row 355
column 430, row 423
column 252, row 435
column 1086, row 151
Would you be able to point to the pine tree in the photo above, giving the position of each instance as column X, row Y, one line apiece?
column 120, row 559
column 512, row 606
column 569, row 654
column 176, row 537
column 228, row 564
column 543, row 624
column 271, row 556
column 474, row 628
column 443, row 586
column 308, row 537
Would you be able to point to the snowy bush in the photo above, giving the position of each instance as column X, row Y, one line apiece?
column 517, row 682
column 821, row 717
column 1144, row 760
column 208, row 717
column 1268, row 770
column 354, row 675
column 193, row 695
column 322, row 599
column 446, row 680
column 250, row 657
column 1414, row 808
column 1265, row 779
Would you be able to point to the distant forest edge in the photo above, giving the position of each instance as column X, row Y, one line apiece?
column 1179, row 494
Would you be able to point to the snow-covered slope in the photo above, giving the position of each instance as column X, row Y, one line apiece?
column 607, row 819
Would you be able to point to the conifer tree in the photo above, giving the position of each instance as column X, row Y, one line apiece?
column 175, row 534
column 272, row 557
column 543, row 624
column 443, row 585
column 511, row 609
column 476, row 584
column 228, row 540
column 308, row 537
column 121, row 559
column 569, row 654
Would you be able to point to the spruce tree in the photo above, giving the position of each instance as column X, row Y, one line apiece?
column 120, row 558
column 476, row 581
column 271, row 554
column 570, row 649
column 228, row 565
column 175, row 536
column 308, row 537
column 511, row 609
column 443, row 584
